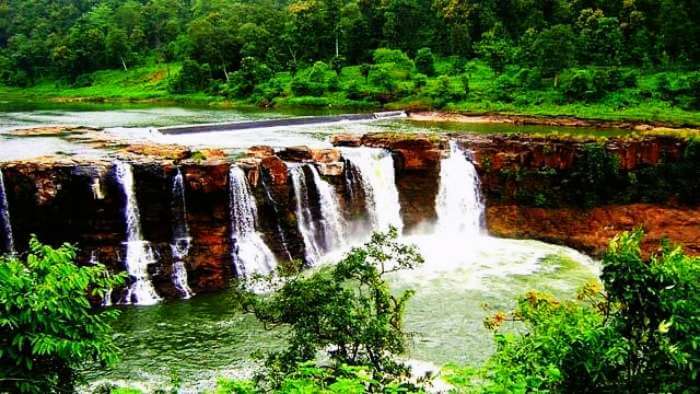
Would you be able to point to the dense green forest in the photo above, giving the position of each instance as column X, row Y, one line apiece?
column 639, row 56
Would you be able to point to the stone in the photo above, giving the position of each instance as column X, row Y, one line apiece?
column 331, row 169
column 260, row 151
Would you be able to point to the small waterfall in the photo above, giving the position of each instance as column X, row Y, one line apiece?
column 322, row 226
column 459, row 204
column 8, row 242
column 250, row 253
column 138, row 251
column 181, row 237
column 378, row 177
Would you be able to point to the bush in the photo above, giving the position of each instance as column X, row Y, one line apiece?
column 393, row 56
column 192, row 77
column 638, row 334
column 251, row 73
column 48, row 328
column 425, row 62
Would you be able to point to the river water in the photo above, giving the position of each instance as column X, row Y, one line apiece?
column 467, row 273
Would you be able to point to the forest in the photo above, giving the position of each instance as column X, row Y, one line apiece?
column 632, row 57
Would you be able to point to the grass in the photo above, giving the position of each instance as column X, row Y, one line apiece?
column 149, row 84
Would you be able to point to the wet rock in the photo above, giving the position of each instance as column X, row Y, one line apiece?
column 276, row 169
column 592, row 229
column 332, row 169
column 260, row 151
column 169, row 152
column 349, row 140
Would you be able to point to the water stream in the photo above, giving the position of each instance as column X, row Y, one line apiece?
column 138, row 251
column 8, row 242
column 378, row 178
column 318, row 213
column 182, row 241
column 250, row 253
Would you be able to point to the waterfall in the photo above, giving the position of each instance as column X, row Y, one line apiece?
column 138, row 251
column 322, row 226
column 459, row 204
column 8, row 242
column 181, row 237
column 250, row 253
column 378, row 178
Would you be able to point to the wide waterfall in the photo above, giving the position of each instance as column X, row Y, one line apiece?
column 250, row 253
column 138, row 251
column 182, row 241
column 8, row 242
column 321, row 226
column 459, row 204
column 378, row 177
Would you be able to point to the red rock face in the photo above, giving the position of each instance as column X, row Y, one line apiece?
column 207, row 194
column 590, row 230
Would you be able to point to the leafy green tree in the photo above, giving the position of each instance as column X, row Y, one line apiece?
column 425, row 62
column 496, row 49
column 346, row 310
column 553, row 50
column 48, row 327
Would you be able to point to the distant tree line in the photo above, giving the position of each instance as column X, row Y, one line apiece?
column 71, row 38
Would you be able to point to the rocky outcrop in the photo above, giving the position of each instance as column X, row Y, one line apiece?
column 590, row 230
column 573, row 191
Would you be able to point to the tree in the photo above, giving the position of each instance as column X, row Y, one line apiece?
column 346, row 310
column 425, row 61
column 47, row 326
column 553, row 50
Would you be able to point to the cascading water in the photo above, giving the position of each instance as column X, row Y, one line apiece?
column 8, row 241
column 181, row 237
column 250, row 253
column 459, row 205
column 138, row 251
column 321, row 228
column 377, row 171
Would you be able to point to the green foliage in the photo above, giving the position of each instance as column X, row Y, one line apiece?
column 249, row 75
column 638, row 334
column 47, row 324
column 346, row 310
column 425, row 61
column 192, row 77
column 392, row 56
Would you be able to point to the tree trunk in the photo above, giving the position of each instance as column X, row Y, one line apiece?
column 123, row 63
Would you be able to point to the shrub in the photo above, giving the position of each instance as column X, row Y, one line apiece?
column 425, row 62
column 394, row 56
column 637, row 334
column 48, row 327
column 251, row 73
column 191, row 78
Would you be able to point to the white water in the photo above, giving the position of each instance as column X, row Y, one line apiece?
column 323, row 233
column 5, row 223
column 459, row 204
column 250, row 253
column 378, row 179
column 138, row 251
column 181, row 237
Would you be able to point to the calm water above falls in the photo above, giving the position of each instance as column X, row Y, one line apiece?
column 137, row 122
